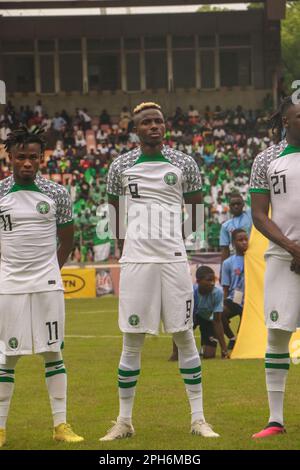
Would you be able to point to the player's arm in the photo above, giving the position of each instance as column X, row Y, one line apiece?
column 260, row 213
column 65, row 235
column 224, row 244
column 114, row 215
column 194, row 201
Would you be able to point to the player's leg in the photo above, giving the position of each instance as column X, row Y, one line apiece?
column 282, row 308
column 190, row 369
column 129, row 371
column 139, row 313
column 7, row 383
column 277, row 364
column 177, row 308
column 48, row 318
column 15, row 340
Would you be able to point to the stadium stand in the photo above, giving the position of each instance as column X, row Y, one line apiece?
column 81, row 148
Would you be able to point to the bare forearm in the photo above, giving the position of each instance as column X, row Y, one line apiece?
column 218, row 327
column 271, row 231
column 63, row 253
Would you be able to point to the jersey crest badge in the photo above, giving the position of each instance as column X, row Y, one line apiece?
column 170, row 178
column 134, row 320
column 43, row 207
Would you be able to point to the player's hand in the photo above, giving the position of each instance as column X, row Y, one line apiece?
column 295, row 267
column 225, row 355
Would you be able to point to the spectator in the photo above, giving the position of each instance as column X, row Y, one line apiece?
column 233, row 283
column 241, row 219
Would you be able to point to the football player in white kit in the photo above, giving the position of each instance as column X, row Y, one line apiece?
column 275, row 181
column 34, row 213
column 155, row 282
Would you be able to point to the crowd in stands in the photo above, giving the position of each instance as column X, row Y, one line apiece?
column 80, row 149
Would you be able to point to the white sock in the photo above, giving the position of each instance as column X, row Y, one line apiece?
column 277, row 364
column 56, row 381
column 190, row 368
column 7, row 383
column 129, row 370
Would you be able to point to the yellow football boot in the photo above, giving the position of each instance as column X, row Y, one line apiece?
column 64, row 433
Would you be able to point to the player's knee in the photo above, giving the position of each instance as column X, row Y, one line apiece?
column 133, row 343
column 184, row 339
column 52, row 356
column 278, row 340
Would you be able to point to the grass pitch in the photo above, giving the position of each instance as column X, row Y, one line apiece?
column 235, row 400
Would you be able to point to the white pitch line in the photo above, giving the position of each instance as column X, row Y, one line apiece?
column 92, row 312
column 116, row 336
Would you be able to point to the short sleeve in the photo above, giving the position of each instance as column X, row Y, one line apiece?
column 259, row 181
column 218, row 301
column 192, row 182
column 226, row 277
column 63, row 208
column 114, row 181
column 224, row 237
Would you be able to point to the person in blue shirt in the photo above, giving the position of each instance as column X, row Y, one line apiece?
column 233, row 283
column 207, row 314
column 208, row 310
column 241, row 219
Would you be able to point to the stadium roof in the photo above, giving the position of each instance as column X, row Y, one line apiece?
column 47, row 4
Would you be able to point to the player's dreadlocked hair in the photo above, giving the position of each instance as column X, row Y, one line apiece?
column 148, row 105
column 23, row 136
column 276, row 118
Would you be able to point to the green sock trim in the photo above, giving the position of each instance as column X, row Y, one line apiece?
column 55, row 372
column 127, row 384
column 52, row 364
column 7, row 379
column 192, row 381
column 8, row 371
column 128, row 373
column 269, row 365
column 190, row 371
column 278, row 356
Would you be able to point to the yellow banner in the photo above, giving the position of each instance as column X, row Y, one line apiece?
column 79, row 283
column 252, row 337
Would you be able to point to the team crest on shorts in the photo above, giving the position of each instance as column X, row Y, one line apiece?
column 274, row 315
column 170, row 178
column 43, row 207
column 13, row 343
column 134, row 320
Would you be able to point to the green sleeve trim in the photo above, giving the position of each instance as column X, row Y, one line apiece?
column 192, row 192
column 65, row 224
column 259, row 190
column 113, row 196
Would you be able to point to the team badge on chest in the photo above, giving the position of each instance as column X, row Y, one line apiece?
column 170, row 178
column 43, row 207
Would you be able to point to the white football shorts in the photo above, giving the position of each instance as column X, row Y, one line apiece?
column 155, row 292
column 282, row 295
column 31, row 323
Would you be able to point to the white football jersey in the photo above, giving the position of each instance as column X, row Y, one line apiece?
column 276, row 171
column 153, row 189
column 29, row 216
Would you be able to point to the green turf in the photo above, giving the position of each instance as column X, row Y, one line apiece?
column 235, row 399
